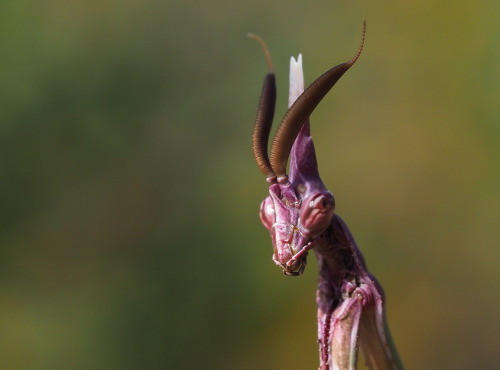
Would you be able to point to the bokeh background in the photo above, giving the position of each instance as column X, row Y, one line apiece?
column 129, row 229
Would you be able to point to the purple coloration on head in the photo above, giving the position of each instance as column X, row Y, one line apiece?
column 299, row 208
column 303, row 164
column 298, row 211
column 281, row 214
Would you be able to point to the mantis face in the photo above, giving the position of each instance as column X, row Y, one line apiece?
column 296, row 224
column 299, row 208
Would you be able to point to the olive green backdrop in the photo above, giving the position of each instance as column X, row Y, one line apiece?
column 129, row 197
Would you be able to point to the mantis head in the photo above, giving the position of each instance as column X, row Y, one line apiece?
column 299, row 209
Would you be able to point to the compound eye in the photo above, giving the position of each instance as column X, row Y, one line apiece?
column 267, row 213
column 317, row 212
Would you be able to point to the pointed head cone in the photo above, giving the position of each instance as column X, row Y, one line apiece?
column 303, row 168
column 303, row 165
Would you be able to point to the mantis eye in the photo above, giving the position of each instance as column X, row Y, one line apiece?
column 267, row 213
column 317, row 212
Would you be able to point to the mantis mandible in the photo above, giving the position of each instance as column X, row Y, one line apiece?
column 300, row 215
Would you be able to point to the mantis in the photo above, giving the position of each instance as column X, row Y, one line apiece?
column 300, row 216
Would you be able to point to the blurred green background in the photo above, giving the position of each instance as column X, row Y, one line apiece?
column 130, row 236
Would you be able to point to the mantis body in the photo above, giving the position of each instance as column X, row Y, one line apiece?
column 300, row 215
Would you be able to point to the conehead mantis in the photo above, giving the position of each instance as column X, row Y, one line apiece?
column 300, row 216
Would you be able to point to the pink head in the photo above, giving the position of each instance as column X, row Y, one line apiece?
column 299, row 208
